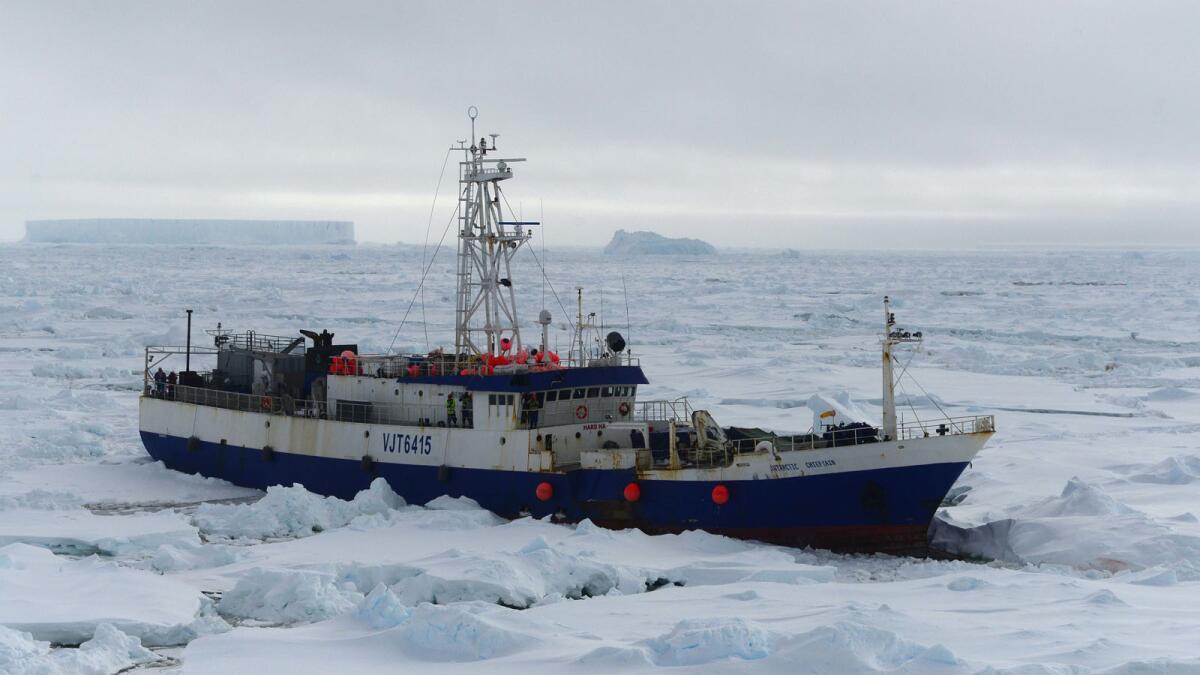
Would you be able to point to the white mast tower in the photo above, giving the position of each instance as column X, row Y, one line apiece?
column 892, row 336
column 487, row 305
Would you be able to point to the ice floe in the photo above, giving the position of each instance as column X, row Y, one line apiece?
column 63, row 600
column 81, row 532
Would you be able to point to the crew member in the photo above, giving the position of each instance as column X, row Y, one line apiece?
column 160, row 382
column 535, row 404
column 468, row 410
column 451, row 418
column 171, row 380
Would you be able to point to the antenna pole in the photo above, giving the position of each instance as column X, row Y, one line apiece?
column 625, row 289
column 542, row 219
column 187, row 359
column 579, row 323
column 889, row 385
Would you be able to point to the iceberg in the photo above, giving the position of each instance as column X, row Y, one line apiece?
column 188, row 231
column 651, row 243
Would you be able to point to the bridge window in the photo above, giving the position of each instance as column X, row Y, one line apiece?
column 579, row 393
column 551, row 396
column 593, row 392
column 606, row 392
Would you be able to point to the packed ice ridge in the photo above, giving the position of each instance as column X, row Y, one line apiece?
column 294, row 512
column 108, row 651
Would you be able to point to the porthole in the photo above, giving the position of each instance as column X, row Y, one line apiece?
column 397, row 392
column 503, row 440
column 578, row 435
column 367, row 433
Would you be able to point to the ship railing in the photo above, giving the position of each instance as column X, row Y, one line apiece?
column 588, row 358
column 401, row 366
column 838, row 437
column 408, row 365
column 156, row 356
column 809, row 441
column 416, row 414
column 947, row 426
column 261, row 342
column 679, row 410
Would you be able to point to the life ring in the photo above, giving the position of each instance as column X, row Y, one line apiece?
column 265, row 402
column 581, row 412
column 623, row 408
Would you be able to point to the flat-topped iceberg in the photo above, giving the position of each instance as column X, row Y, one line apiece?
column 652, row 243
column 189, row 231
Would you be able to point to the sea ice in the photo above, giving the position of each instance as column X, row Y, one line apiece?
column 287, row 596
column 81, row 532
column 63, row 600
column 695, row 641
column 839, row 408
column 108, row 651
column 1088, row 485
column 848, row 647
column 293, row 512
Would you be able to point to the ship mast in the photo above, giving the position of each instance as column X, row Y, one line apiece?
column 486, row 310
column 892, row 336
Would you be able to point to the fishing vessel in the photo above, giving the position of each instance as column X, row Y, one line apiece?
column 511, row 424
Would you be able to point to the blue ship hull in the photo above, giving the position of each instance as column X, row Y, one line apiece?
column 879, row 510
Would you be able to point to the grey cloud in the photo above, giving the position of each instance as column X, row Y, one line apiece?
column 1015, row 121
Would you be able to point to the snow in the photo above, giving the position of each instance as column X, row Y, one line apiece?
column 82, row 532
column 64, row 600
column 696, row 641
column 112, row 485
column 1174, row 470
column 286, row 596
column 1077, row 525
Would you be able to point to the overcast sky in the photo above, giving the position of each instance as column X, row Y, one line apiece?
column 802, row 124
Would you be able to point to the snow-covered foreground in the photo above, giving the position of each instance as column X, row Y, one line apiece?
column 1079, row 518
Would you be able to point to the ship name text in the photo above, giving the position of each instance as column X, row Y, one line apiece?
column 408, row 444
